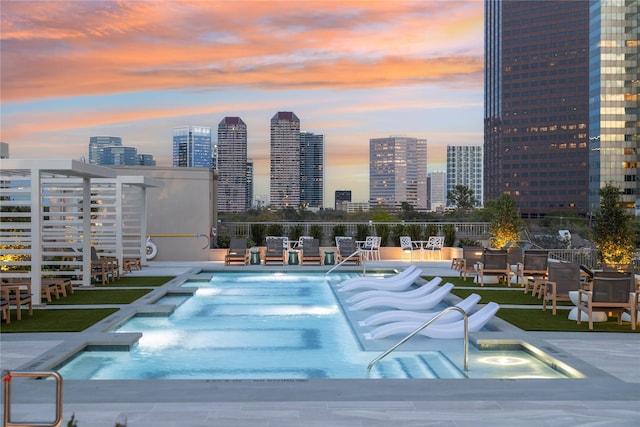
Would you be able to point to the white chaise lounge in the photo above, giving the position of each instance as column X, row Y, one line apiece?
column 442, row 331
column 399, row 282
column 425, row 302
column 425, row 289
column 390, row 316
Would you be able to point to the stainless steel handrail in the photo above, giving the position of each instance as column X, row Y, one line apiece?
column 414, row 333
column 347, row 259
column 6, row 378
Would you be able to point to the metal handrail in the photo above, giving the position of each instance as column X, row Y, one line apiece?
column 347, row 259
column 414, row 333
column 6, row 378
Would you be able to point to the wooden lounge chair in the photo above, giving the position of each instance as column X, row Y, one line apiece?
column 609, row 294
column 103, row 269
column 348, row 251
column 493, row 263
column 18, row 294
column 564, row 277
column 471, row 255
column 275, row 250
column 311, row 252
column 534, row 265
column 237, row 252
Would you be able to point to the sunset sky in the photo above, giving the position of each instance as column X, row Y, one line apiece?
column 351, row 70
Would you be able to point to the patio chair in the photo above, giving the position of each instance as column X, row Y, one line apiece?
column 311, row 251
column 534, row 265
column 18, row 294
column 564, row 277
column 406, row 246
column 275, row 250
column 237, row 252
column 471, row 255
column 609, row 294
column 102, row 268
column 371, row 248
column 493, row 263
column 348, row 250
column 434, row 244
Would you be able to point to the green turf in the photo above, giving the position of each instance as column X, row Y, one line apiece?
column 512, row 297
column 127, row 281
column 101, row 296
column 56, row 320
column 538, row 320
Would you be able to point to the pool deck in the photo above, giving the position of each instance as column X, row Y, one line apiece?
column 609, row 396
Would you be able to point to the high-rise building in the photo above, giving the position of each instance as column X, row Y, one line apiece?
column 398, row 171
column 119, row 156
column 250, row 202
column 311, row 170
column 537, row 104
column 341, row 198
column 97, row 145
column 192, row 147
column 464, row 167
column 437, row 190
column 232, row 165
column 614, row 100
column 285, row 160
column 146, row 160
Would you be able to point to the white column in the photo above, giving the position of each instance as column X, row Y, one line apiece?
column 36, row 236
column 86, row 232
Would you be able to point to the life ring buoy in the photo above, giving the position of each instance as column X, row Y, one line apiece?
column 152, row 250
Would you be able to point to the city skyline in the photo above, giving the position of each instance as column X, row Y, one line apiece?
column 350, row 70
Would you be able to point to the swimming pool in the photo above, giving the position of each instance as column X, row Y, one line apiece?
column 280, row 326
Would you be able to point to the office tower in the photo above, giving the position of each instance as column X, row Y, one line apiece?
column 285, row 160
column 250, row 184
column 398, row 172
column 232, row 165
column 437, row 190
column 118, row 156
column 464, row 167
column 146, row 160
column 192, row 147
column 341, row 198
column 614, row 106
column 97, row 145
column 537, row 104
column 311, row 170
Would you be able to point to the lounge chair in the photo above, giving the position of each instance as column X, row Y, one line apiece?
column 18, row 294
column 311, row 251
column 438, row 330
column 396, row 283
column 348, row 250
column 102, row 268
column 534, row 265
column 275, row 250
column 609, row 294
column 414, row 293
column 564, row 277
column 494, row 263
column 425, row 302
column 358, row 279
column 390, row 316
column 471, row 255
column 237, row 252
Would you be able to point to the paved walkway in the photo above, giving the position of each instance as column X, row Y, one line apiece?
column 609, row 396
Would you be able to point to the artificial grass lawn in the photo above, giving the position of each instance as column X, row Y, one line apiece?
column 538, row 320
column 512, row 297
column 56, row 320
column 127, row 281
column 101, row 296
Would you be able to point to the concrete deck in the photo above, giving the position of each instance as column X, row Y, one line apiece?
column 609, row 396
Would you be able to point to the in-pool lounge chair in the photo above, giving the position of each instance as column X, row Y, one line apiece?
column 311, row 252
column 391, row 316
column 438, row 330
column 425, row 289
column 237, row 252
column 275, row 250
column 426, row 302
column 400, row 282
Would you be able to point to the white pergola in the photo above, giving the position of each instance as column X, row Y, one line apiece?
column 53, row 211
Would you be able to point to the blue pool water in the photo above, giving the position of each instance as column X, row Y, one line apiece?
column 277, row 326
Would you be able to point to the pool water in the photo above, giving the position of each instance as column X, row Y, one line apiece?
column 276, row 326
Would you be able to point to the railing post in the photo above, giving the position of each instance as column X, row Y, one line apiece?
column 6, row 378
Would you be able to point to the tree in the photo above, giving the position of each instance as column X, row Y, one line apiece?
column 612, row 230
column 462, row 197
column 506, row 225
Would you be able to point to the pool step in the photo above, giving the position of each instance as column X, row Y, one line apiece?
column 428, row 365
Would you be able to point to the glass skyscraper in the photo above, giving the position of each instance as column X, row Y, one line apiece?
column 614, row 146
column 311, row 170
column 97, row 145
column 464, row 167
column 537, row 104
column 232, row 165
column 192, row 147
column 398, row 172
column 285, row 160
